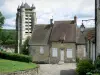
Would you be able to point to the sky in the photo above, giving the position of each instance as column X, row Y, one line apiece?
column 59, row 9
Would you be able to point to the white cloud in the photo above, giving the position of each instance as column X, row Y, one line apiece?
column 10, row 21
column 60, row 9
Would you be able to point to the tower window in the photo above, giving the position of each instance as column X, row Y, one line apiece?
column 26, row 32
column 26, row 28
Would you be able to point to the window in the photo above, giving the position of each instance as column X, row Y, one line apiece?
column 69, row 53
column 41, row 50
column 54, row 52
column 26, row 28
column 84, row 52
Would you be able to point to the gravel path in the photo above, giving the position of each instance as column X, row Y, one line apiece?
column 56, row 69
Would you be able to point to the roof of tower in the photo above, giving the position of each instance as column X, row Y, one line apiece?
column 27, row 6
column 33, row 7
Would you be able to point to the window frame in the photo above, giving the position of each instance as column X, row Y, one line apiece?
column 41, row 50
column 54, row 50
column 69, row 49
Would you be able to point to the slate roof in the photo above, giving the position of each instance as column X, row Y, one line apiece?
column 91, row 35
column 80, row 38
column 40, row 35
column 64, row 29
column 26, row 6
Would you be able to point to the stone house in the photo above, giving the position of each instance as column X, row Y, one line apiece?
column 91, row 52
column 39, row 43
column 54, row 43
column 80, row 44
column 63, row 41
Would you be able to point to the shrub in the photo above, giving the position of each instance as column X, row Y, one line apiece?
column 77, row 60
column 97, row 63
column 24, row 48
column 84, row 66
column 15, row 56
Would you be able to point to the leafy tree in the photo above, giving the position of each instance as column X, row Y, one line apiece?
column 1, row 20
column 25, row 47
column 7, row 37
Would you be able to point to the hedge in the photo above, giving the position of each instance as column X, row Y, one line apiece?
column 84, row 66
column 15, row 57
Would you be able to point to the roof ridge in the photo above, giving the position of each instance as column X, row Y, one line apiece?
column 26, row 5
column 63, row 20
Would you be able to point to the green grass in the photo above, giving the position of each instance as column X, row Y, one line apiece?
column 7, row 66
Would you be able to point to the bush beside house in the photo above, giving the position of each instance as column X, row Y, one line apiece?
column 15, row 56
column 84, row 66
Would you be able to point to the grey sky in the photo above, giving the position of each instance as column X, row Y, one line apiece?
column 60, row 9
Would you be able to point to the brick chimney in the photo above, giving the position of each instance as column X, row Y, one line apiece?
column 51, row 21
column 75, row 19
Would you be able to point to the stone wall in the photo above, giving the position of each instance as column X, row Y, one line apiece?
column 24, row 72
column 81, row 51
column 64, row 47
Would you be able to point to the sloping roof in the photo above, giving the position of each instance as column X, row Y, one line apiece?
column 64, row 29
column 80, row 38
column 27, row 6
column 40, row 35
column 91, row 35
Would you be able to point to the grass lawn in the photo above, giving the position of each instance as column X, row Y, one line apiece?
column 11, row 66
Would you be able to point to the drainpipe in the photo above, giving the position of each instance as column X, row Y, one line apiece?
column 95, row 27
column 51, row 23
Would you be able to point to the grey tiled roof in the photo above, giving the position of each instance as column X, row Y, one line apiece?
column 64, row 29
column 40, row 35
column 27, row 6
column 80, row 38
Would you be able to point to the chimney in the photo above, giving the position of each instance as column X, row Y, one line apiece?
column 51, row 21
column 75, row 19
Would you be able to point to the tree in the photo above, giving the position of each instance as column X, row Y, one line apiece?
column 1, row 20
column 25, row 47
column 7, row 37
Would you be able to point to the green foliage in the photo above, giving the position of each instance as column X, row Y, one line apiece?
column 97, row 63
column 1, row 20
column 96, row 74
column 77, row 60
column 15, row 56
column 25, row 47
column 7, row 37
column 84, row 66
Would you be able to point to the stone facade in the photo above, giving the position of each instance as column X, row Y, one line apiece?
column 37, row 56
column 24, row 72
column 98, row 28
column 91, row 50
column 47, row 55
column 25, row 20
column 63, row 47
column 81, row 51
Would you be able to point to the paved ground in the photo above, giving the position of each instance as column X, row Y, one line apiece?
column 56, row 69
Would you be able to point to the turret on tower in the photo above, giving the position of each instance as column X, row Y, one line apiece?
column 25, row 21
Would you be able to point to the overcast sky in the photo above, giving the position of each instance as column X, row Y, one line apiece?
column 60, row 9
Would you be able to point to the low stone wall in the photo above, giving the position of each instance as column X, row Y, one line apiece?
column 24, row 72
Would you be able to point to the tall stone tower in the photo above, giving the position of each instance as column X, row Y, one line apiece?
column 25, row 21
column 97, row 17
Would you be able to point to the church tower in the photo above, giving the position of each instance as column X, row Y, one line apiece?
column 25, row 21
